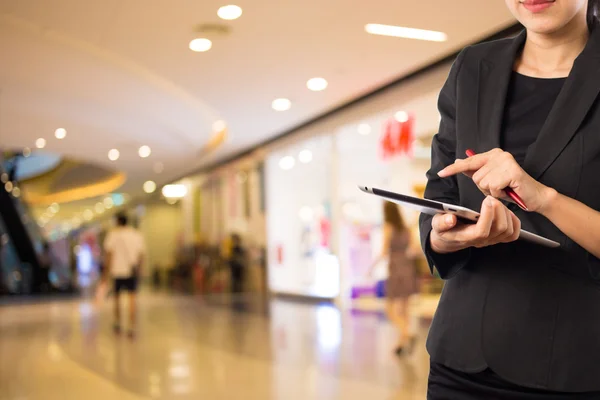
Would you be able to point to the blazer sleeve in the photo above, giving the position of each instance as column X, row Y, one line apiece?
column 443, row 153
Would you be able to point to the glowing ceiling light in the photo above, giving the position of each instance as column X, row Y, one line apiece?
column 281, row 104
column 149, row 187
column 219, row 126
column 60, row 133
column 200, row 45
column 230, row 12
column 305, row 156
column 16, row 192
column 114, row 154
column 286, row 163
column 317, row 84
column 144, row 151
column 364, row 129
column 88, row 215
column 99, row 208
column 40, row 143
column 108, row 203
column 406, row 33
column 54, row 208
column 176, row 191
column 401, row 116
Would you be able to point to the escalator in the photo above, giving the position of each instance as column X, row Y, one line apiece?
column 23, row 249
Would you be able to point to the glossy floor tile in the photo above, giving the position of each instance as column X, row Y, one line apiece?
column 204, row 348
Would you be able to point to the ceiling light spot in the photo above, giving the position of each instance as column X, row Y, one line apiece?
column 54, row 208
column 176, row 191
column 401, row 116
column 219, row 126
column 159, row 167
column 286, row 163
column 60, row 133
column 16, row 192
column 144, row 151
column 8, row 186
column 4, row 177
column 99, row 208
column 114, row 154
column 26, row 152
column 149, row 187
column 305, row 156
column 200, row 45
column 230, row 12
column 88, row 215
column 281, row 104
column 108, row 203
column 364, row 129
column 406, row 33
column 40, row 143
column 317, row 84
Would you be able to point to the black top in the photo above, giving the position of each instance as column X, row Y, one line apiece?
column 526, row 312
column 528, row 103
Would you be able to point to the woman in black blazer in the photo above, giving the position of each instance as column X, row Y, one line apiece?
column 517, row 320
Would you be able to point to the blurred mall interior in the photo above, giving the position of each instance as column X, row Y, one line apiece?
column 199, row 120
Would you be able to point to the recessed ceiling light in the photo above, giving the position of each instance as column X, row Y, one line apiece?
column 4, row 177
column 88, row 215
column 60, row 133
column 159, row 167
column 108, row 203
column 317, row 84
column 364, row 129
column 407, row 33
column 176, row 191
column 149, row 187
column 99, row 208
column 219, row 126
column 8, row 186
column 401, row 116
column 114, row 154
column 144, row 151
column 26, row 152
column 40, row 143
column 200, row 45
column 16, row 192
column 286, row 163
column 305, row 156
column 230, row 12
column 281, row 104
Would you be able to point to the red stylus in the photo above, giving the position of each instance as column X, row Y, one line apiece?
column 509, row 192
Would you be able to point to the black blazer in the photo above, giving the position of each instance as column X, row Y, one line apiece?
column 530, row 313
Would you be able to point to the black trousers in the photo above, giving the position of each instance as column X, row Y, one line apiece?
column 448, row 384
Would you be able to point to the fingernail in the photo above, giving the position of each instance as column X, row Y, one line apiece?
column 449, row 219
column 442, row 173
column 488, row 201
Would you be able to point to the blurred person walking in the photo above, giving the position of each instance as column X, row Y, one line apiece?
column 237, row 264
column 125, row 253
column 517, row 320
column 401, row 282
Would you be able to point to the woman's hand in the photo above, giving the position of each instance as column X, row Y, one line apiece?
column 497, row 224
column 497, row 170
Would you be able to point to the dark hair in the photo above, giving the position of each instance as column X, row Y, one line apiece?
column 392, row 216
column 593, row 12
column 122, row 219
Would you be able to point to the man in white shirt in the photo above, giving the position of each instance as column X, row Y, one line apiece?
column 125, row 251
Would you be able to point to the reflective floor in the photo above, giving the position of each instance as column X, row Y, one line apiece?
column 204, row 348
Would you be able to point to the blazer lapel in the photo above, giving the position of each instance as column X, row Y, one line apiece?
column 572, row 105
column 494, row 78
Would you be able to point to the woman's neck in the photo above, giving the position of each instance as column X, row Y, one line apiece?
column 552, row 55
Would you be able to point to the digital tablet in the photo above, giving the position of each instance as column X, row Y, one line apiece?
column 433, row 207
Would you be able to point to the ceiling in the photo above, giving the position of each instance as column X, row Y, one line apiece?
column 119, row 73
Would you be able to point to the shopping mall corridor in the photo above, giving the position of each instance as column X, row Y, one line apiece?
column 203, row 348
